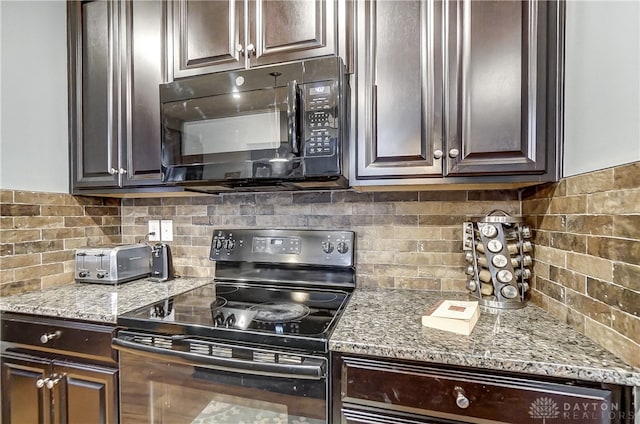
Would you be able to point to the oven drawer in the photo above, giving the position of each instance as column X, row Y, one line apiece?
column 59, row 336
column 468, row 396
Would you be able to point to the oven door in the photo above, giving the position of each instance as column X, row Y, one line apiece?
column 179, row 380
column 237, row 135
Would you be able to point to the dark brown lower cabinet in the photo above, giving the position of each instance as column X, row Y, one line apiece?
column 57, row 371
column 376, row 391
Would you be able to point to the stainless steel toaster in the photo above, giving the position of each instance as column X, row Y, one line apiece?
column 113, row 264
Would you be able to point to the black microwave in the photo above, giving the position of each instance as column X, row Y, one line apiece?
column 276, row 127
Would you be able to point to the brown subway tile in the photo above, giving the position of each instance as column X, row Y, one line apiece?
column 38, row 271
column 395, row 196
column 16, row 236
column 37, row 198
column 19, row 210
column 493, row 195
column 146, row 201
column 285, row 198
column 626, row 275
column 418, row 283
column 311, row 197
column 62, row 233
column 557, row 309
column 591, row 182
column 627, row 226
column 627, row 176
column 569, row 242
column 590, row 224
column 576, row 320
column 616, row 296
column 568, row 279
column 6, row 249
column 551, row 289
column 37, row 246
column 611, row 340
column 81, row 221
column 441, row 220
column 626, row 324
column 6, row 223
column 206, row 200
column 38, row 222
column 84, row 201
column 101, row 211
column 58, row 256
column 615, row 249
column 175, row 201
column 545, row 191
column 551, row 223
column 443, row 196
column 615, row 202
column 568, row 205
column 15, row 287
column 587, row 306
column 6, row 196
column 239, row 221
column 590, row 266
column 396, row 270
column 536, row 206
column 19, row 261
column 56, row 280
column 376, row 209
column 48, row 210
column 351, row 197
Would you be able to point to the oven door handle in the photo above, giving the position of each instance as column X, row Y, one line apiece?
column 310, row 369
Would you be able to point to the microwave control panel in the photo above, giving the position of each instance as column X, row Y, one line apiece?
column 321, row 124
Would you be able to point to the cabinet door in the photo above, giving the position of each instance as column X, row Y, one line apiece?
column 93, row 37
column 23, row 402
column 144, row 68
column 497, row 115
column 399, row 86
column 87, row 394
column 287, row 30
column 208, row 36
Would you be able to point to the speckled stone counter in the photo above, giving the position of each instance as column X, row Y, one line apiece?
column 387, row 323
column 97, row 302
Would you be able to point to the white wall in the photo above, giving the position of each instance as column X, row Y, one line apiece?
column 34, row 144
column 602, row 85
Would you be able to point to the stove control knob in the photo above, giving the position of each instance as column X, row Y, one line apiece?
column 219, row 319
column 343, row 247
column 230, row 321
column 217, row 243
column 229, row 244
column 327, row 247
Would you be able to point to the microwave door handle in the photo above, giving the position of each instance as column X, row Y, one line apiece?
column 309, row 370
column 292, row 116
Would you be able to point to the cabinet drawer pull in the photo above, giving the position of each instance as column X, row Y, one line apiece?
column 41, row 382
column 51, row 336
column 461, row 400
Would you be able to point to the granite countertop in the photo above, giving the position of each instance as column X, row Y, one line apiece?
column 97, row 302
column 387, row 323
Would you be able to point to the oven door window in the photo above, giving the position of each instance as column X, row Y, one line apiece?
column 169, row 392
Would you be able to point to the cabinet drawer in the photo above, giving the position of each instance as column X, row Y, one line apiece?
column 64, row 337
column 470, row 396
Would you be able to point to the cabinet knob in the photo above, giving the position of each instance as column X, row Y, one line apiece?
column 113, row 171
column 122, row 171
column 41, row 382
column 251, row 49
column 45, row 338
column 437, row 154
column 55, row 379
column 453, row 153
column 461, row 400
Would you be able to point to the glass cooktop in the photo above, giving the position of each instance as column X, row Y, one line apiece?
column 256, row 314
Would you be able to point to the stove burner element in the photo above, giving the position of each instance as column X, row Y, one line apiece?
column 218, row 303
column 279, row 312
column 223, row 289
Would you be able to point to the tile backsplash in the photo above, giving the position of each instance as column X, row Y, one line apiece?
column 586, row 239
column 587, row 254
column 40, row 231
column 404, row 239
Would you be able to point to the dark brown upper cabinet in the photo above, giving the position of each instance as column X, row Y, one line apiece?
column 212, row 36
column 117, row 58
column 458, row 92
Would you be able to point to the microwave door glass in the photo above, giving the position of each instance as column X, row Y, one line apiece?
column 245, row 125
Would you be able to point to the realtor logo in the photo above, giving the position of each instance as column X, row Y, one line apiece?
column 544, row 408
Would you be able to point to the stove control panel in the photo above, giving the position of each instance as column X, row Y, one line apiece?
column 310, row 247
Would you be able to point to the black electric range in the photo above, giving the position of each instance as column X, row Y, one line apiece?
column 277, row 288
